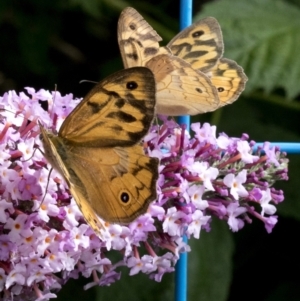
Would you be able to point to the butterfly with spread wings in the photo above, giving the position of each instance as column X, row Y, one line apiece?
column 98, row 151
column 191, row 75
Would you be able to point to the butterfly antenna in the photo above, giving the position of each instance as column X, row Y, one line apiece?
column 48, row 180
column 31, row 155
column 87, row 81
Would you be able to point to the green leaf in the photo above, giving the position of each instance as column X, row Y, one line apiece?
column 262, row 36
column 210, row 264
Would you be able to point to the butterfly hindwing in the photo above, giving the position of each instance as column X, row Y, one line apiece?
column 118, row 183
column 229, row 79
column 188, row 90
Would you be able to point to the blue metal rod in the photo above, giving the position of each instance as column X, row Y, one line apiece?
column 185, row 21
column 181, row 266
column 289, row 147
column 181, row 276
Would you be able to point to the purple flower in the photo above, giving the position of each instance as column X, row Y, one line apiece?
column 271, row 153
column 270, row 222
column 235, row 184
column 245, row 150
column 234, row 210
column 201, row 178
column 196, row 194
column 198, row 219
column 29, row 188
column 265, row 200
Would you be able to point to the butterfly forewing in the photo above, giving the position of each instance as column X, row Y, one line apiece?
column 200, row 44
column 138, row 41
column 117, row 111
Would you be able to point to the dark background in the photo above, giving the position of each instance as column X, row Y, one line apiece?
column 48, row 43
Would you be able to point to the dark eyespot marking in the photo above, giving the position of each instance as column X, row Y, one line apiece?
column 197, row 34
column 220, row 89
column 199, row 90
column 132, row 26
column 131, row 85
column 124, row 197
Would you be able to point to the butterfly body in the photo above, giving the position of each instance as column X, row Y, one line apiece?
column 98, row 152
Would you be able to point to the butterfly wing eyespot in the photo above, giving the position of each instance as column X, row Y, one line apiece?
column 98, row 153
column 124, row 197
column 131, row 85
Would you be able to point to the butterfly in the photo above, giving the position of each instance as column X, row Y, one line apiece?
column 98, row 152
column 191, row 75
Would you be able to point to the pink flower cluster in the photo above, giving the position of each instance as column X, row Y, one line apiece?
column 43, row 244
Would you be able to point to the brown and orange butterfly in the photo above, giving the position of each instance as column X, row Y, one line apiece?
column 98, row 151
column 191, row 75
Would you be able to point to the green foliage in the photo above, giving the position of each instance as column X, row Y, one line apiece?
column 263, row 36
column 210, row 264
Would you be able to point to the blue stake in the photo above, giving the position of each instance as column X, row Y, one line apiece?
column 185, row 21
column 181, row 276
column 289, row 147
column 181, row 266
